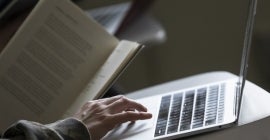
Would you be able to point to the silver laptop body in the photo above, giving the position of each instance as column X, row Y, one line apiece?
column 194, row 110
column 208, row 107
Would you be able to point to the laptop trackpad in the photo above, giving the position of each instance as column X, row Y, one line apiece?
column 132, row 129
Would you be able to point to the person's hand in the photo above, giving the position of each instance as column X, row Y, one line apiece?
column 101, row 116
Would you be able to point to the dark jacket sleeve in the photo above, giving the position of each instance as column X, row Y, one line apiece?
column 68, row 129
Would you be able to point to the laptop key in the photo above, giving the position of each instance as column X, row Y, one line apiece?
column 212, row 104
column 175, row 113
column 199, row 108
column 163, row 116
column 221, row 103
column 187, row 111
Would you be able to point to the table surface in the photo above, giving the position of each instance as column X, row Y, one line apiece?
column 254, row 120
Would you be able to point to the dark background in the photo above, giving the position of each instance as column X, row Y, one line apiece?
column 202, row 36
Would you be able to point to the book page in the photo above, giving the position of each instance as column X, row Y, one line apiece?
column 107, row 74
column 49, row 61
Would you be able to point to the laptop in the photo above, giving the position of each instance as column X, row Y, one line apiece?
column 199, row 109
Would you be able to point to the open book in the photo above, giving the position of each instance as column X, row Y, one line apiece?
column 58, row 59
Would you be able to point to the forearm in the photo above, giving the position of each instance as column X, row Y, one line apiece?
column 60, row 130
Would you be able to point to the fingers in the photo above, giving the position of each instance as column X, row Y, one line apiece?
column 104, row 114
column 110, row 100
column 113, row 105
column 125, row 104
column 129, row 116
column 100, row 102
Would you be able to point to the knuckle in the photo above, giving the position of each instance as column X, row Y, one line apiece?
column 129, row 114
column 103, row 117
column 124, row 100
column 120, row 96
column 96, row 105
column 90, row 102
column 86, row 105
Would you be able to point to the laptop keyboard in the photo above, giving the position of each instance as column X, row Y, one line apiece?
column 190, row 109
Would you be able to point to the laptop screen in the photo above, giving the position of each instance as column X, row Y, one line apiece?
column 246, row 49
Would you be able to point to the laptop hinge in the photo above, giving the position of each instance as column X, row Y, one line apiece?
column 238, row 101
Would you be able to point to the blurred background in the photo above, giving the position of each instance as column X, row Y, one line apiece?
column 193, row 37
